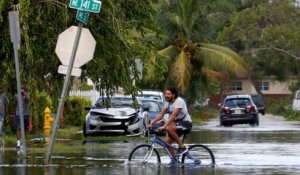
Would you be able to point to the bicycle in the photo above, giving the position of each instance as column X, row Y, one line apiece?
column 197, row 154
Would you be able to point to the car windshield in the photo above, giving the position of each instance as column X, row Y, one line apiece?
column 114, row 102
column 156, row 97
column 238, row 102
column 152, row 105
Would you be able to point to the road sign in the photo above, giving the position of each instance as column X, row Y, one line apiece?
column 82, row 16
column 85, row 49
column 86, row 5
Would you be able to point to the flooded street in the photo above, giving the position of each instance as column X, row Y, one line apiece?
column 271, row 148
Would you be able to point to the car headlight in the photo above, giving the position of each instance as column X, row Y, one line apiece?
column 94, row 116
column 134, row 118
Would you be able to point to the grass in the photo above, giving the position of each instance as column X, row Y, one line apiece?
column 198, row 117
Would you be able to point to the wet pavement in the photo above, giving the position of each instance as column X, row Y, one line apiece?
column 271, row 148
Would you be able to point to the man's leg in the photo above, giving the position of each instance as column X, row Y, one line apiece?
column 169, row 140
column 1, row 124
column 172, row 132
column 18, row 131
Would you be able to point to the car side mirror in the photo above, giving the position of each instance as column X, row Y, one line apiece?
column 87, row 108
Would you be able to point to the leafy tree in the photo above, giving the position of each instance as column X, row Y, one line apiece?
column 190, row 59
column 42, row 21
column 267, row 35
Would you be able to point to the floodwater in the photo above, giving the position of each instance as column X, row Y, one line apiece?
column 271, row 148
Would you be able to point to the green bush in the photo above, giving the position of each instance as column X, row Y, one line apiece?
column 74, row 113
column 39, row 102
column 282, row 107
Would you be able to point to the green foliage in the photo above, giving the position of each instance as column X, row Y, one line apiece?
column 85, row 86
column 282, row 107
column 74, row 113
column 39, row 103
column 267, row 35
column 200, row 115
column 191, row 62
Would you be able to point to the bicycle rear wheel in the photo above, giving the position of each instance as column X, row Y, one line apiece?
column 144, row 154
column 199, row 154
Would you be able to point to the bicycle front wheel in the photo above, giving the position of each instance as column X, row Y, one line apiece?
column 199, row 154
column 144, row 154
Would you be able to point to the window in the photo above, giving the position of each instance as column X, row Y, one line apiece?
column 236, row 86
column 264, row 86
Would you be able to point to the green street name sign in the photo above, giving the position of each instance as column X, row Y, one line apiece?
column 82, row 16
column 86, row 5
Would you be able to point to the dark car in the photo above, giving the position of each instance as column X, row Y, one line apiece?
column 259, row 102
column 153, row 107
column 238, row 109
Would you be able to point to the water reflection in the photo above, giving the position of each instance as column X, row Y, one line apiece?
column 20, row 164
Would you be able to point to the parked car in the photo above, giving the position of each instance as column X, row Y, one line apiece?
column 296, row 101
column 154, row 107
column 118, row 114
column 259, row 102
column 238, row 109
column 153, row 94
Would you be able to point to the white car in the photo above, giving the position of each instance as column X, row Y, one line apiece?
column 118, row 114
column 152, row 94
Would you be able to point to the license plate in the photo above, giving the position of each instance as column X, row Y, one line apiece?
column 237, row 111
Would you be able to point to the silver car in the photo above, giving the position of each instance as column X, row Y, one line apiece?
column 118, row 114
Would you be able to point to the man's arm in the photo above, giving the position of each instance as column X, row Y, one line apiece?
column 171, row 117
column 158, row 117
column 26, row 95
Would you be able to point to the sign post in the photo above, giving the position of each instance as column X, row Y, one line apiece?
column 14, row 25
column 63, row 94
column 73, row 51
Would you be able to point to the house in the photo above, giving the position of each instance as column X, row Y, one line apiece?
column 269, row 86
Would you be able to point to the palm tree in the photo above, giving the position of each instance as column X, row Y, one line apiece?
column 188, row 56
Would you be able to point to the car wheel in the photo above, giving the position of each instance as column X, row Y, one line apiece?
column 143, row 130
column 228, row 125
column 221, row 122
column 257, row 121
column 263, row 112
column 84, row 130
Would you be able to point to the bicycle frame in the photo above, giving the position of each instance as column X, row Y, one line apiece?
column 165, row 146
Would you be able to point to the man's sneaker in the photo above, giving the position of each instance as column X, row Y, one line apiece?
column 19, row 146
column 181, row 151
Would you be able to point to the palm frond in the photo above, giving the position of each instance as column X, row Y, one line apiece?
column 211, row 73
column 222, row 60
column 170, row 52
column 225, row 50
column 181, row 71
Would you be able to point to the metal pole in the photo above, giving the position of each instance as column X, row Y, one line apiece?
column 63, row 94
column 20, row 101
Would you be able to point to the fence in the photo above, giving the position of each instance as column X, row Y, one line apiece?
column 93, row 95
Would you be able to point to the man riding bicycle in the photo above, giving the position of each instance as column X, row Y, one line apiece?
column 179, row 122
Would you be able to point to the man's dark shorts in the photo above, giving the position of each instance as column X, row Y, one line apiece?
column 183, row 127
column 26, row 121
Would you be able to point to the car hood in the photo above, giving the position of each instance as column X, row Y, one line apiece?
column 115, row 111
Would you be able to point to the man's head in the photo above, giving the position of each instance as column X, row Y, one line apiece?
column 23, row 88
column 171, row 94
column 1, row 88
